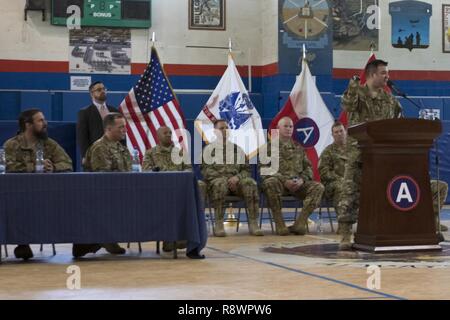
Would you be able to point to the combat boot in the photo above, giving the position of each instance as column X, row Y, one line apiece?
column 346, row 233
column 253, row 227
column 280, row 226
column 219, row 230
column 299, row 227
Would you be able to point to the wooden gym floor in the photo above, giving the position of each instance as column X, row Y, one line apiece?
column 236, row 267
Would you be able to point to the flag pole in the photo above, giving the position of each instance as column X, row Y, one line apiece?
column 153, row 39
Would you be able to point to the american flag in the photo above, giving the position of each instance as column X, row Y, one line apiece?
column 149, row 105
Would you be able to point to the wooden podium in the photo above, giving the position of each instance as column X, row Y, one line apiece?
column 396, row 210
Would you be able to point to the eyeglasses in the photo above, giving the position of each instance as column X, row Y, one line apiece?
column 100, row 89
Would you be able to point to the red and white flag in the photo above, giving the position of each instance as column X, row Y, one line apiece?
column 311, row 117
column 149, row 105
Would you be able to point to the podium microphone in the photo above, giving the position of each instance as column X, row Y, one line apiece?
column 397, row 91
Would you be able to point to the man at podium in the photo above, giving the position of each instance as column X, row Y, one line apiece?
column 362, row 103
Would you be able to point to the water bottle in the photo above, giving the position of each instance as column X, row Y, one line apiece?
column 319, row 224
column 2, row 161
column 39, row 166
column 135, row 161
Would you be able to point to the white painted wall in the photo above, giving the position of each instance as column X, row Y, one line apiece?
column 38, row 40
column 252, row 24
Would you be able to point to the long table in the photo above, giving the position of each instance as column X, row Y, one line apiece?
column 101, row 208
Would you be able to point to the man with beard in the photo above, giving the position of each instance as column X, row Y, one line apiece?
column 89, row 124
column 21, row 155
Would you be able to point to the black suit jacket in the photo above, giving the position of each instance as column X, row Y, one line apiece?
column 90, row 127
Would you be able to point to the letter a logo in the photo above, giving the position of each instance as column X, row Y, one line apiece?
column 403, row 193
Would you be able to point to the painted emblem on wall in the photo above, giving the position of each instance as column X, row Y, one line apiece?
column 305, row 22
column 355, row 24
column 410, row 24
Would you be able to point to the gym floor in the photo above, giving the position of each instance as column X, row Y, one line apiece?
column 236, row 267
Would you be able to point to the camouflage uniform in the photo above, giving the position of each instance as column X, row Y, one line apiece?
column 293, row 163
column 361, row 107
column 107, row 156
column 22, row 158
column 161, row 157
column 216, row 176
column 443, row 191
column 332, row 168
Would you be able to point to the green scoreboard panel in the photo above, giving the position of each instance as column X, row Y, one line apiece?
column 105, row 13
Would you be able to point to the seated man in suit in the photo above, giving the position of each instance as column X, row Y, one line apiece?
column 89, row 123
column 21, row 150
column 294, row 177
column 107, row 154
column 160, row 158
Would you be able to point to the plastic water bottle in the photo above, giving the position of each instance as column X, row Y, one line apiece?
column 2, row 161
column 135, row 161
column 39, row 166
column 319, row 224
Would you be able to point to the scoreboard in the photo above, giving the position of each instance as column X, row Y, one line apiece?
column 105, row 13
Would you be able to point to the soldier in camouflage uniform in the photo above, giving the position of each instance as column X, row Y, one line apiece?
column 439, row 201
column 294, row 177
column 362, row 103
column 332, row 165
column 160, row 158
column 107, row 154
column 226, row 170
column 21, row 150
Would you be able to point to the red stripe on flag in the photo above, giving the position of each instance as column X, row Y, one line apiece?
column 287, row 111
column 136, row 121
column 151, row 127
column 313, row 157
column 159, row 117
column 180, row 112
column 130, row 133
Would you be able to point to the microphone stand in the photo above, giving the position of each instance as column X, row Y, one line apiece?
column 436, row 148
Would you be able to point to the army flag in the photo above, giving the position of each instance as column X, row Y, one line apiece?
column 231, row 102
column 311, row 117
column 149, row 105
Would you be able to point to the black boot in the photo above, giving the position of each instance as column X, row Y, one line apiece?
column 114, row 248
column 23, row 252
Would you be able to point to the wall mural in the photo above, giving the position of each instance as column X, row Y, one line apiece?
column 410, row 24
column 305, row 22
column 355, row 24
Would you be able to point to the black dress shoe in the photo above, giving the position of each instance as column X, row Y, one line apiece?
column 114, row 248
column 80, row 250
column 195, row 255
column 23, row 252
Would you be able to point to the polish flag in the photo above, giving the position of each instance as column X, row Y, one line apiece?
column 311, row 117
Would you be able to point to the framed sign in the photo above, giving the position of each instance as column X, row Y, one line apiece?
column 446, row 28
column 207, row 14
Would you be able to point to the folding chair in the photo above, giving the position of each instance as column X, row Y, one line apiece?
column 285, row 200
column 53, row 248
column 327, row 204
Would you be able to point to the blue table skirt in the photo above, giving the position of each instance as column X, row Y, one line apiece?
column 101, row 208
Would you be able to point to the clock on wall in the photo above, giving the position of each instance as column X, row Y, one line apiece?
column 305, row 19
